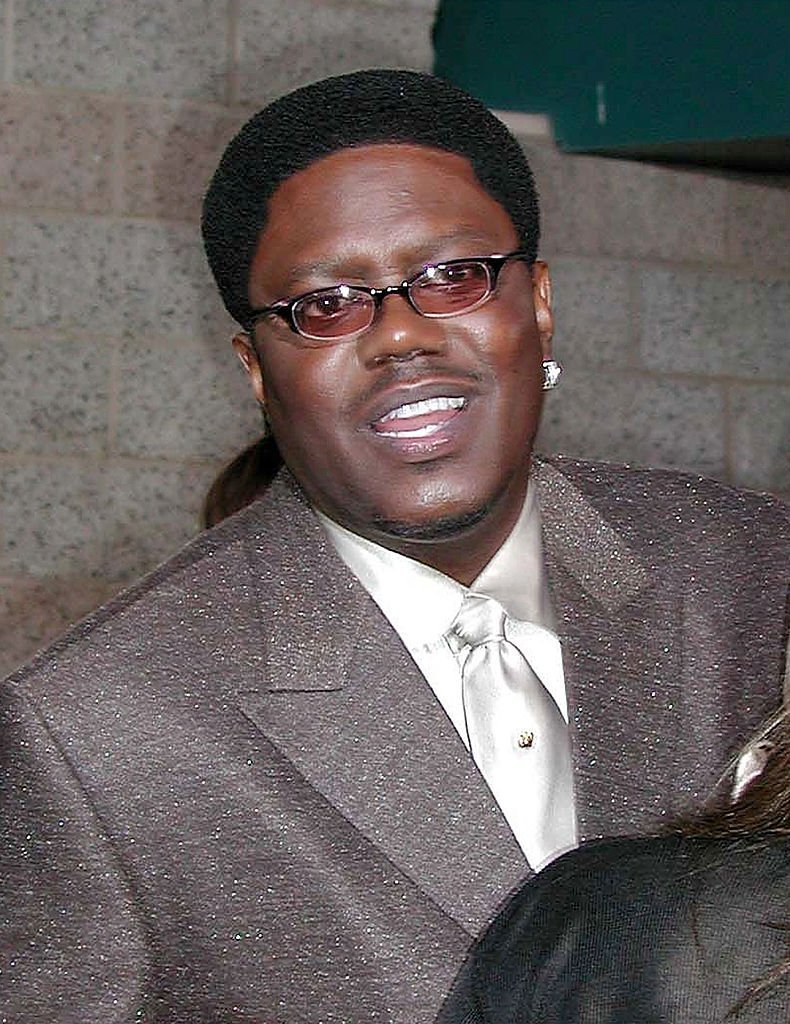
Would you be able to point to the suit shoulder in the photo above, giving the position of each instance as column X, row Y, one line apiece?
column 179, row 606
column 654, row 493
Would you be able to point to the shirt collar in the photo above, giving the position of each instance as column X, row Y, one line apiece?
column 421, row 603
column 516, row 575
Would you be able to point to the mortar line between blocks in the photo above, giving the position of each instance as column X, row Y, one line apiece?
column 119, row 131
column 8, row 42
column 113, row 395
column 233, row 46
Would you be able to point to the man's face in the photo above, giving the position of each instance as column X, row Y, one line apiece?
column 347, row 415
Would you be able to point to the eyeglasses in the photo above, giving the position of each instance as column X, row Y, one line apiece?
column 438, row 290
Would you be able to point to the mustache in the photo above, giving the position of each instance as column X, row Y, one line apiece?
column 410, row 373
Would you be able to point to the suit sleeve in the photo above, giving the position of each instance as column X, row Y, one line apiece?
column 71, row 946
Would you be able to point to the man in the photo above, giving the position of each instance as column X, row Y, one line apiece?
column 244, row 789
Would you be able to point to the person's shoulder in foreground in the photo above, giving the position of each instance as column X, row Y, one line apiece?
column 660, row 930
column 691, row 927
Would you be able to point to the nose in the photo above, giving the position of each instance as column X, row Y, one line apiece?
column 399, row 333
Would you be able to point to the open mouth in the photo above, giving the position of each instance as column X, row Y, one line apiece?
column 414, row 420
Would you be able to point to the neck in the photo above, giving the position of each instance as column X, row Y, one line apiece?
column 458, row 547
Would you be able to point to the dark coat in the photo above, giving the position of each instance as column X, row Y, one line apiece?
column 639, row 931
column 230, row 795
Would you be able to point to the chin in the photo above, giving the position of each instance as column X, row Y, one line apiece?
column 441, row 527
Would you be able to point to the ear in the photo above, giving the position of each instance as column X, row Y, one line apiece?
column 245, row 350
column 541, row 299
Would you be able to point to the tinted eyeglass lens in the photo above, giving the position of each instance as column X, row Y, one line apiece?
column 444, row 290
column 334, row 313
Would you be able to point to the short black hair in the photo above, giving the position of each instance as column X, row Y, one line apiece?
column 366, row 107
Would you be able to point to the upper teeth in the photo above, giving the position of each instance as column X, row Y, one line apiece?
column 427, row 405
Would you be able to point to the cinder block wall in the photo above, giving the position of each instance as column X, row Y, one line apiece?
column 120, row 396
column 672, row 291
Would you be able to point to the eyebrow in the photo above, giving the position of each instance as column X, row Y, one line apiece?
column 336, row 268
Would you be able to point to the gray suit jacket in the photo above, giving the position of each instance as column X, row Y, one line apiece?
column 230, row 796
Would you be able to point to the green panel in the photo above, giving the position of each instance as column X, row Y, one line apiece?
column 619, row 73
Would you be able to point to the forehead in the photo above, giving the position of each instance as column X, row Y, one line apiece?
column 380, row 203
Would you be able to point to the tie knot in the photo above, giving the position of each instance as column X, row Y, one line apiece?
column 480, row 620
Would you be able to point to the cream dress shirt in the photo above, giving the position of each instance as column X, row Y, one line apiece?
column 421, row 604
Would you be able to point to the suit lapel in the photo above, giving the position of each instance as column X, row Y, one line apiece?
column 623, row 677
column 345, row 703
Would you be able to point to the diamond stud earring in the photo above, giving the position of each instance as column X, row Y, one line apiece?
column 551, row 374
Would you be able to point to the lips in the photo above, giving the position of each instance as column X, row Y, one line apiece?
column 420, row 416
column 419, row 419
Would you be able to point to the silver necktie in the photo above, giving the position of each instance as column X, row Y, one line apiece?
column 517, row 735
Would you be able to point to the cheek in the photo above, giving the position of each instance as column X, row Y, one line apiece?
column 508, row 347
column 303, row 387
